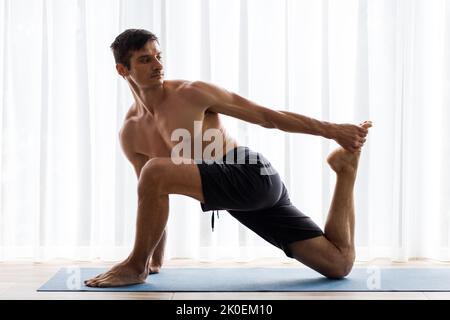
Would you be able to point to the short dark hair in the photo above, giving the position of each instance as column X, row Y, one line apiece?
column 128, row 41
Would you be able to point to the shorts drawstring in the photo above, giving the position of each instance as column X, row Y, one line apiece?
column 212, row 219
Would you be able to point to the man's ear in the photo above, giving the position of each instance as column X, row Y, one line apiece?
column 122, row 70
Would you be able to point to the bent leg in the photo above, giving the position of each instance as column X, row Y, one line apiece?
column 321, row 255
column 159, row 178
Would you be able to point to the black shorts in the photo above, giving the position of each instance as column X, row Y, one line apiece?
column 246, row 185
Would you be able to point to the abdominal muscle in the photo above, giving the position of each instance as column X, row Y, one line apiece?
column 213, row 121
column 229, row 143
column 209, row 149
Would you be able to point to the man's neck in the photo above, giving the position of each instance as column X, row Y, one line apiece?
column 148, row 99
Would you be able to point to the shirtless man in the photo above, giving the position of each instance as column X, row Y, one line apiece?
column 259, row 201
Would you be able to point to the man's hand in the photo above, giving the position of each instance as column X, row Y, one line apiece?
column 351, row 137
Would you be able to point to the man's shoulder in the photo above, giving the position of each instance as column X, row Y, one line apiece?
column 176, row 84
column 191, row 87
column 128, row 130
column 182, row 86
column 199, row 92
column 127, row 138
column 130, row 124
column 197, row 86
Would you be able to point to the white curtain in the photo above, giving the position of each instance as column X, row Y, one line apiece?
column 67, row 190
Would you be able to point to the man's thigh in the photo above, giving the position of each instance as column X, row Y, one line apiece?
column 174, row 177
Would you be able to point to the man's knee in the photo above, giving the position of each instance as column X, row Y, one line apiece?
column 152, row 176
column 342, row 264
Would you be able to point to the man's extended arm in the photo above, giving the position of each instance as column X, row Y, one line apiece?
column 219, row 100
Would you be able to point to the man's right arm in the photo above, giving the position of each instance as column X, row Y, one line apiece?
column 138, row 160
column 220, row 100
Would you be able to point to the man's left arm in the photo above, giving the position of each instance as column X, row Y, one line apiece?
column 219, row 100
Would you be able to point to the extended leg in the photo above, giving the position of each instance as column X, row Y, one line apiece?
column 340, row 225
column 334, row 253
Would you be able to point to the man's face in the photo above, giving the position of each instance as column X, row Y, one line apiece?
column 146, row 67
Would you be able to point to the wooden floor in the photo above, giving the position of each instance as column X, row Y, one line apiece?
column 19, row 280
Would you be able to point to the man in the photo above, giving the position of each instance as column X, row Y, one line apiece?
column 255, row 197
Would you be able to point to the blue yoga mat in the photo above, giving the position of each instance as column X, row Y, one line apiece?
column 263, row 279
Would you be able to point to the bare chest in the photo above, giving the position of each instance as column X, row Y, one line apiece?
column 177, row 123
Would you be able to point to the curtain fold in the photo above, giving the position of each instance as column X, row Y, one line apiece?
column 67, row 190
column 445, row 159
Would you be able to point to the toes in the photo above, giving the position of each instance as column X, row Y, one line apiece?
column 96, row 283
column 96, row 277
column 91, row 283
column 92, row 279
column 366, row 124
column 106, row 282
column 364, row 129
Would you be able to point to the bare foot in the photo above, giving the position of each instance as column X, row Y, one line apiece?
column 341, row 160
column 122, row 274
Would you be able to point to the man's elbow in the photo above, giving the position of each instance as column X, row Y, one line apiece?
column 267, row 125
